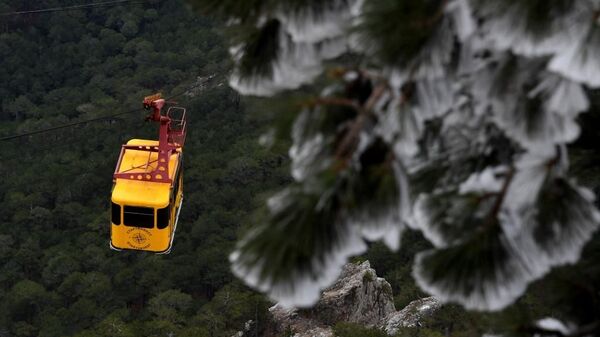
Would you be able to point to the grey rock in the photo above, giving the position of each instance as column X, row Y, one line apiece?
column 249, row 326
column 289, row 322
column 358, row 296
column 411, row 316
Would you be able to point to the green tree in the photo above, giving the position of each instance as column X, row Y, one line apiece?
column 21, row 107
column 170, row 306
column 232, row 306
column 129, row 29
column 25, row 300
column 114, row 326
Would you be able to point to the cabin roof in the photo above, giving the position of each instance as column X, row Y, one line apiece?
column 143, row 193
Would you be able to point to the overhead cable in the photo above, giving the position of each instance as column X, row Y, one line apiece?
column 103, row 118
column 74, row 7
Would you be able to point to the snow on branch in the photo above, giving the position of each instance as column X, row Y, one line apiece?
column 451, row 117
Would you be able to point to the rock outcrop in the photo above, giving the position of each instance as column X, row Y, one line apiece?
column 288, row 322
column 358, row 296
column 411, row 316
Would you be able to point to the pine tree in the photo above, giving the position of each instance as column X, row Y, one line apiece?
column 451, row 117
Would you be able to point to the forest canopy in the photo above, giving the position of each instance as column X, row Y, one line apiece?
column 58, row 276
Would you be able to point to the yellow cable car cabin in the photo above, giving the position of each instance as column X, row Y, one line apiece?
column 147, row 189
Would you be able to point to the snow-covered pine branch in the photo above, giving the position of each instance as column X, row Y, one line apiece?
column 454, row 122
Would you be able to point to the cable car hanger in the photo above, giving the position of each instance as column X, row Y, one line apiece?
column 172, row 134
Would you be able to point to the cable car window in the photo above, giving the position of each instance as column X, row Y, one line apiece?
column 162, row 217
column 138, row 216
column 115, row 213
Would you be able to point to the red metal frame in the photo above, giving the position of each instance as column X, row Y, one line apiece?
column 171, row 136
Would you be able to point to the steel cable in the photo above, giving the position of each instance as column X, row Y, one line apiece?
column 103, row 118
column 70, row 8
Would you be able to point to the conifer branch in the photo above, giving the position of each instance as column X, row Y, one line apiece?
column 337, row 101
column 502, row 193
column 451, row 90
column 350, row 139
column 438, row 15
column 585, row 330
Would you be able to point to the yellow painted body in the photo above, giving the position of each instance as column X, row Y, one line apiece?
column 147, row 196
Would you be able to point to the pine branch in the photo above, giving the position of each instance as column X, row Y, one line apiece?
column 337, row 101
column 431, row 21
column 585, row 330
column 348, row 143
column 451, row 89
column 501, row 195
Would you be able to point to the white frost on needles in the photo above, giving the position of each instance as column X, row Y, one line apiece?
column 552, row 324
column 546, row 115
column 581, row 61
column 306, row 39
column 561, row 96
column 386, row 224
column 435, row 57
column 308, row 151
column 399, row 124
column 435, row 98
column 508, row 29
column 525, row 185
column 462, row 18
column 530, row 240
column 480, row 291
column 301, row 289
column 487, row 181
column 572, row 39
column 556, row 236
column 484, row 80
column 307, row 25
column 296, row 64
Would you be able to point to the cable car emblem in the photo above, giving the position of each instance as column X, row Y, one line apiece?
column 138, row 238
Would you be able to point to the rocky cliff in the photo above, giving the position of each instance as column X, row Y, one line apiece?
column 358, row 296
